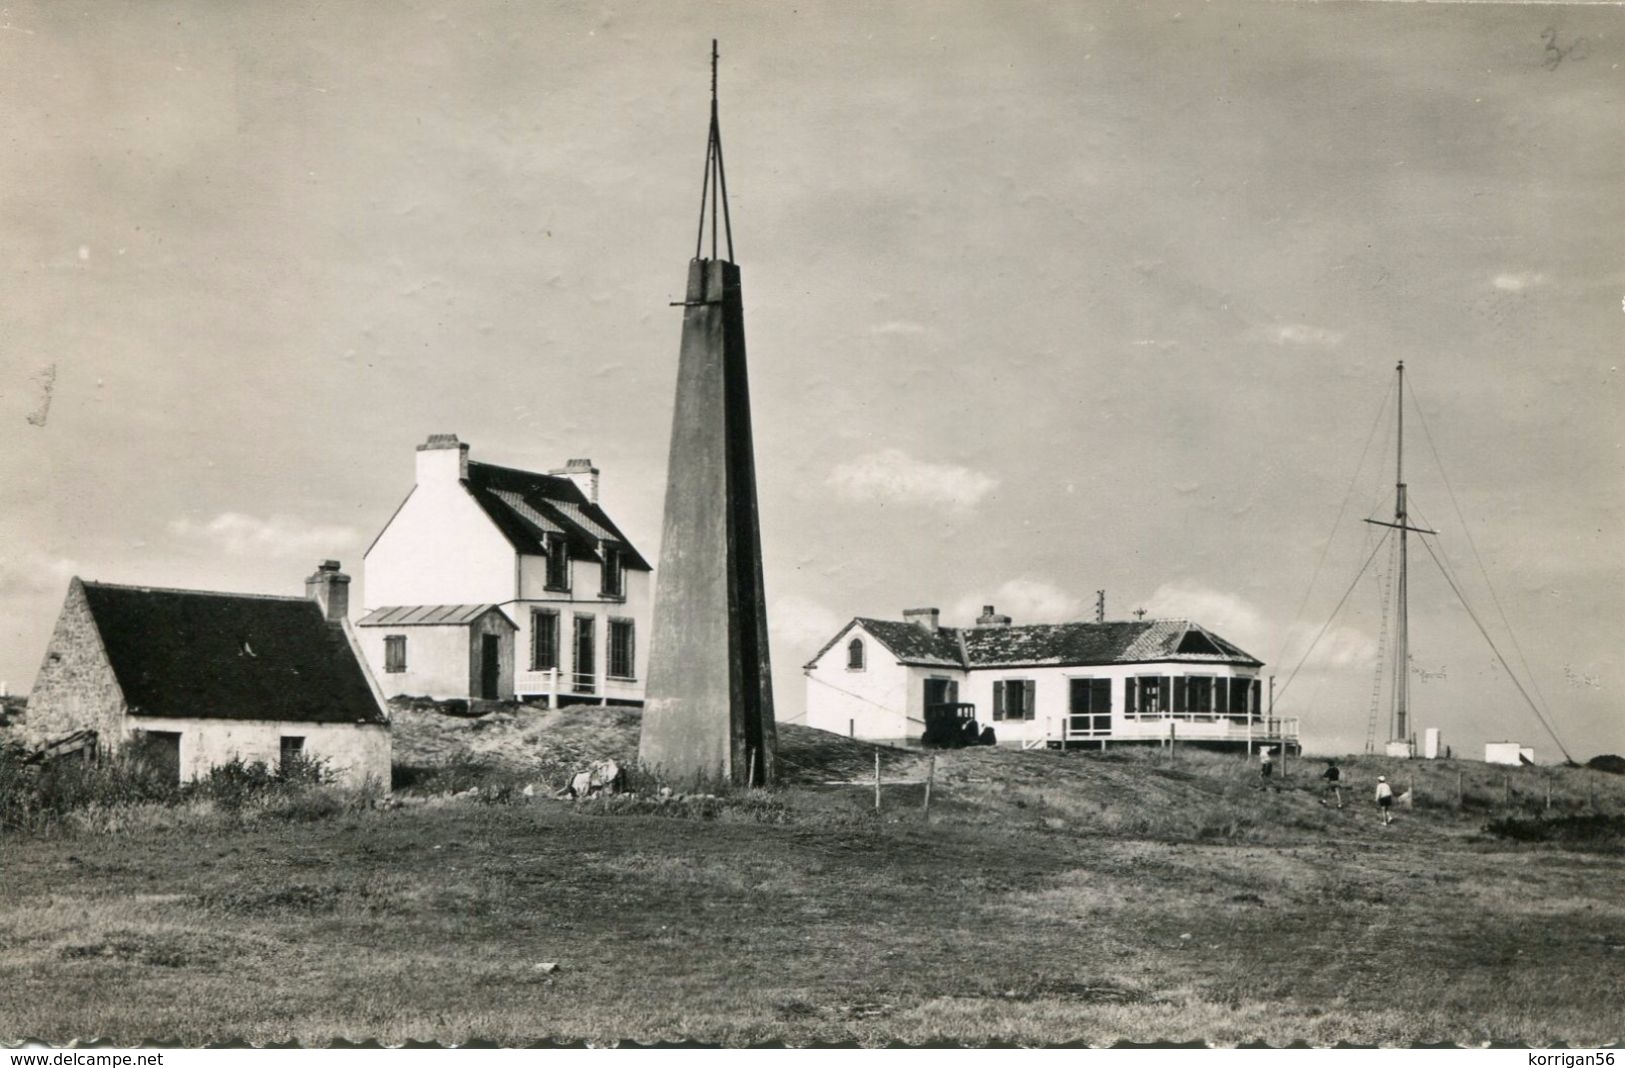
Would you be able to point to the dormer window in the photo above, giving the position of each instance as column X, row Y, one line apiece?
column 558, row 563
column 854, row 655
column 614, row 575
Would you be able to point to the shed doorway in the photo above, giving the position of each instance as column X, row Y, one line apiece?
column 490, row 667
column 161, row 750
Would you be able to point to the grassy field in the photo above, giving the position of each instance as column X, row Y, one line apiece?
column 1049, row 897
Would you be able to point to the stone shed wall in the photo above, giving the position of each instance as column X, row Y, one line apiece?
column 75, row 689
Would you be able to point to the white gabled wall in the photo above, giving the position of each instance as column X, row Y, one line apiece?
column 440, row 548
column 872, row 703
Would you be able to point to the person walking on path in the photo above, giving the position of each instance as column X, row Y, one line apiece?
column 1385, row 800
column 1334, row 782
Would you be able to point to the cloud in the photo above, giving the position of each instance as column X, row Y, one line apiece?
column 1239, row 621
column 1517, row 281
column 239, row 534
column 893, row 476
column 1304, row 334
column 801, row 625
column 1024, row 600
column 30, row 574
column 897, row 328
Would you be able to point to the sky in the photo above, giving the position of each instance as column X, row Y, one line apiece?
column 1040, row 298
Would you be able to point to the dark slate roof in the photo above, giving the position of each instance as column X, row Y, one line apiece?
column 1050, row 644
column 196, row 654
column 427, row 615
column 526, row 506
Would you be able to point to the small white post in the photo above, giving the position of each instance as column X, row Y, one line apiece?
column 877, row 779
column 553, row 686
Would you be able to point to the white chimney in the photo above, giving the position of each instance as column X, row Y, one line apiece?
column 583, row 474
column 442, row 460
column 924, row 617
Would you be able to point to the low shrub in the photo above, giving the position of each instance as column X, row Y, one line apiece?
column 129, row 790
column 33, row 796
column 1588, row 831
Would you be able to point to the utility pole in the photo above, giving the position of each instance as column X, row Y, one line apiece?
column 1100, row 606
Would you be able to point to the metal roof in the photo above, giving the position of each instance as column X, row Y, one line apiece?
column 425, row 615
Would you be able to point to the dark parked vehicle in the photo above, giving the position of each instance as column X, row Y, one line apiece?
column 953, row 726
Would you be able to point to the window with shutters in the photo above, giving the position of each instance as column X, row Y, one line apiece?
column 544, row 639
column 290, row 751
column 621, row 649
column 395, row 652
column 1013, row 699
column 1089, row 707
column 1240, row 689
column 558, row 563
column 854, row 655
column 1193, row 695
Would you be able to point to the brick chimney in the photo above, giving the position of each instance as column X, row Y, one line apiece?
column 583, row 474
column 990, row 618
column 442, row 460
column 330, row 588
column 925, row 617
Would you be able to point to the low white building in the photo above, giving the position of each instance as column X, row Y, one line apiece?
column 1050, row 683
column 1508, row 753
column 199, row 678
column 492, row 582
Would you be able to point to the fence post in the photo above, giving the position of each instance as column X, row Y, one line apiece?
column 930, row 776
column 851, row 728
column 1173, row 743
column 1458, row 791
column 877, row 779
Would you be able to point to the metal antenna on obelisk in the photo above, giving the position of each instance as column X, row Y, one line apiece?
column 714, row 185
column 708, row 713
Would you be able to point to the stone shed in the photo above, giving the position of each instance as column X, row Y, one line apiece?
column 202, row 677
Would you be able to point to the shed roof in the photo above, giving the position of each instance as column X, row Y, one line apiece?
column 428, row 615
column 200, row 654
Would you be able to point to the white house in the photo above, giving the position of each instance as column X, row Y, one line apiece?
column 1050, row 683
column 199, row 678
column 491, row 582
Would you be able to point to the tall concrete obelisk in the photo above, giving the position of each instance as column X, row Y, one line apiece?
column 708, row 711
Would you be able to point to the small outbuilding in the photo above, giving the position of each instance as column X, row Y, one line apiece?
column 199, row 678
column 1508, row 753
column 441, row 650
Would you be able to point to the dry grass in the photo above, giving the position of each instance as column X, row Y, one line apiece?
column 1049, row 898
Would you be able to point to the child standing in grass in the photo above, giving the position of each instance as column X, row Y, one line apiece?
column 1264, row 762
column 1385, row 800
column 1334, row 781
